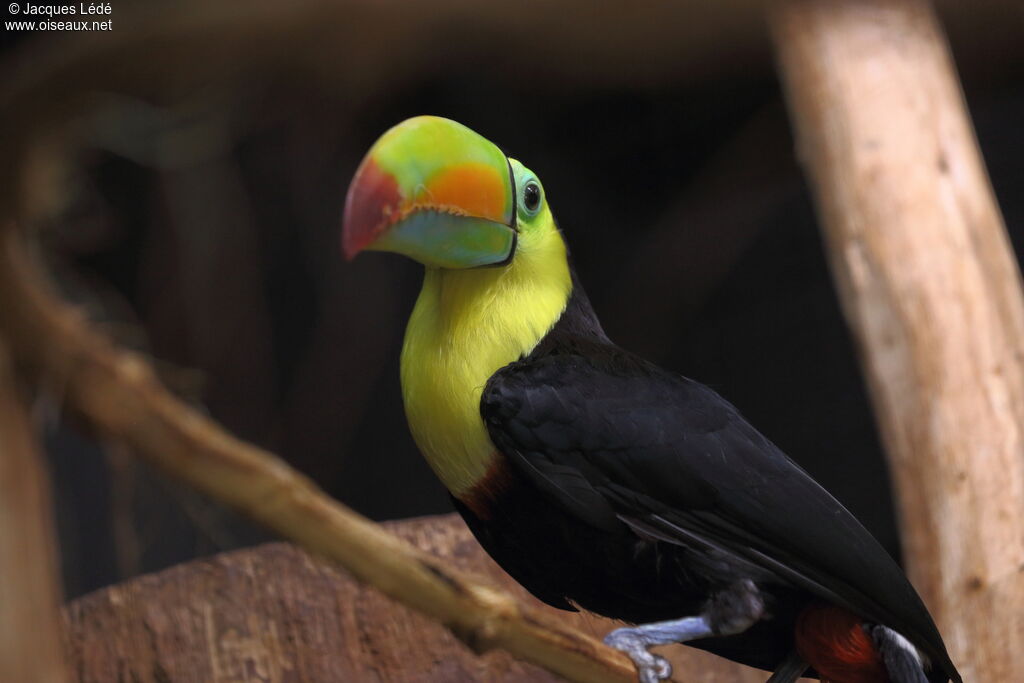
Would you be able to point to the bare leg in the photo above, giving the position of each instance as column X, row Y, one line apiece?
column 732, row 611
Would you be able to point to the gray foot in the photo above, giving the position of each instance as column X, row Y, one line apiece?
column 650, row 668
column 731, row 611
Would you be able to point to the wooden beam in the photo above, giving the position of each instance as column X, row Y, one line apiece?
column 30, row 630
column 930, row 287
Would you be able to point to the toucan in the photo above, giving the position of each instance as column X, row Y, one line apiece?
column 595, row 478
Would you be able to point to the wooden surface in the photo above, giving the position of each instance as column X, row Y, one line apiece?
column 29, row 617
column 275, row 614
column 931, row 289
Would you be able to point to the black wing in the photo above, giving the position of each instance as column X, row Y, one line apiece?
column 604, row 434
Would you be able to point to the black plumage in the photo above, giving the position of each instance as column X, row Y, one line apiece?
column 637, row 493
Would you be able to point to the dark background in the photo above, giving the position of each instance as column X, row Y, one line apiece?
column 206, row 233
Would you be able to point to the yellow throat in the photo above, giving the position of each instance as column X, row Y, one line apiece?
column 465, row 326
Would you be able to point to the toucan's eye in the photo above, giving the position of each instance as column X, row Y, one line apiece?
column 531, row 197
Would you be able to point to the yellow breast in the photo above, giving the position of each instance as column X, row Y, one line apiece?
column 466, row 325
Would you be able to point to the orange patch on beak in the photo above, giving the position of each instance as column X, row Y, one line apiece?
column 471, row 189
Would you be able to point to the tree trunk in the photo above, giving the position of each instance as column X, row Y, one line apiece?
column 930, row 287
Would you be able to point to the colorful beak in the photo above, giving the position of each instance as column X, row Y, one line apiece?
column 435, row 191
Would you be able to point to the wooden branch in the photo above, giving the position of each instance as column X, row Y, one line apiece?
column 119, row 395
column 30, row 631
column 277, row 611
column 930, row 287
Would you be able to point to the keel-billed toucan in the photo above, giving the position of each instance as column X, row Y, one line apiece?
column 595, row 478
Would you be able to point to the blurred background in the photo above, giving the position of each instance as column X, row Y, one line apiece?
column 201, row 225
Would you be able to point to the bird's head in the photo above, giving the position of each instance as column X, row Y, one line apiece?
column 439, row 193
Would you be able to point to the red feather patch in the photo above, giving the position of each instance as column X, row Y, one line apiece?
column 834, row 641
column 486, row 492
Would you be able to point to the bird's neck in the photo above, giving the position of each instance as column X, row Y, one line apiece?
column 465, row 326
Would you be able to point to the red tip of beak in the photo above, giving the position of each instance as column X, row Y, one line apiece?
column 373, row 198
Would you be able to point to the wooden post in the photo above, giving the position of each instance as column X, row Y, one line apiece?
column 30, row 634
column 930, row 287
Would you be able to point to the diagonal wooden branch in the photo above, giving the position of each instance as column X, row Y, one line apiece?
column 118, row 393
column 930, row 286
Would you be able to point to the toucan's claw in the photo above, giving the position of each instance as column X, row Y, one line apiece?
column 728, row 612
column 650, row 667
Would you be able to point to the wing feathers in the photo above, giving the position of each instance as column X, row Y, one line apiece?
column 619, row 443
